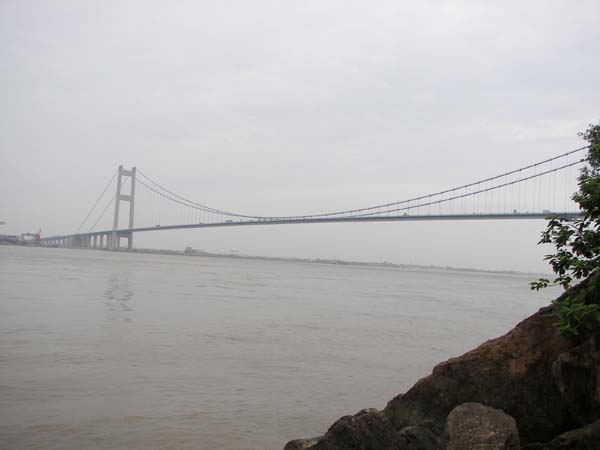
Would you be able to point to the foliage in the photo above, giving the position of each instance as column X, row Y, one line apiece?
column 577, row 243
column 579, row 311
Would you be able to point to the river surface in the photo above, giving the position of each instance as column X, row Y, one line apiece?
column 102, row 350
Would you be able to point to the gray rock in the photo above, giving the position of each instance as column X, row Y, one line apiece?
column 301, row 444
column 473, row 426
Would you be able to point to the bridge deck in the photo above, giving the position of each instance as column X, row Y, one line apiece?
column 283, row 221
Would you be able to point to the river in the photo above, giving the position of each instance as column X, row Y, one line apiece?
column 103, row 350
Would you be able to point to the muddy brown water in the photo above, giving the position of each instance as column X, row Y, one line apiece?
column 104, row 350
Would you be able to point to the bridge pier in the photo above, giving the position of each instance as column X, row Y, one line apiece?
column 115, row 242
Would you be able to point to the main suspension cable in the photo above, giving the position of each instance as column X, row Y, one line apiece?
column 353, row 212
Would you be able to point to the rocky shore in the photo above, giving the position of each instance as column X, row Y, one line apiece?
column 528, row 389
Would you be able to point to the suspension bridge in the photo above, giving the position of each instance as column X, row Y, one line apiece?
column 533, row 191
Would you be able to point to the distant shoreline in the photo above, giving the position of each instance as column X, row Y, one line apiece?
column 193, row 252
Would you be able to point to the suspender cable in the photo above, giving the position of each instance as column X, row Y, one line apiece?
column 96, row 203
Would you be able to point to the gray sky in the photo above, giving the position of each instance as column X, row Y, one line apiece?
column 293, row 107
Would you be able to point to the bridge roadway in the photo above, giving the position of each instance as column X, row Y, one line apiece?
column 282, row 221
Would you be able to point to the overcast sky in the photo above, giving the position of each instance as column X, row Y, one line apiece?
column 290, row 107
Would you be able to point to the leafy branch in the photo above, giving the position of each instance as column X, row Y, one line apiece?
column 577, row 243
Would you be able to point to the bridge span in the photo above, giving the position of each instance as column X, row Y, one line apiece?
column 535, row 191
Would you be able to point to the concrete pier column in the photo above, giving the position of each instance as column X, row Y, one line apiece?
column 95, row 241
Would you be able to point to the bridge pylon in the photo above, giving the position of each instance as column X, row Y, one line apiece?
column 114, row 242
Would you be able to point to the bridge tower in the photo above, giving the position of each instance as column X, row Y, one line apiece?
column 114, row 242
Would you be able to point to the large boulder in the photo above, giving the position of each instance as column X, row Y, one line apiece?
column 473, row 426
column 512, row 373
